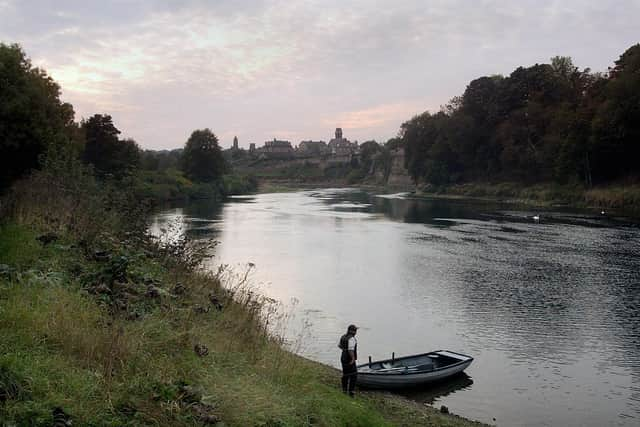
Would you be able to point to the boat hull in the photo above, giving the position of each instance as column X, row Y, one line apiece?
column 410, row 377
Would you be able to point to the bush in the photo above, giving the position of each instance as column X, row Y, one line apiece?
column 236, row 184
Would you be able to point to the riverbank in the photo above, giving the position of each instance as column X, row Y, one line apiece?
column 621, row 197
column 102, row 327
column 172, row 185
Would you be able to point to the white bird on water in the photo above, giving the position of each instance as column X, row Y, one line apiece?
column 536, row 218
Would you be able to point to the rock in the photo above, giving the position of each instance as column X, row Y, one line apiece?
column 100, row 255
column 200, row 309
column 192, row 393
column 152, row 292
column 179, row 289
column 6, row 271
column 133, row 315
column 120, row 305
column 150, row 281
column 61, row 418
column 47, row 238
column 100, row 289
column 201, row 350
column 209, row 419
column 215, row 301
column 444, row 409
column 205, row 414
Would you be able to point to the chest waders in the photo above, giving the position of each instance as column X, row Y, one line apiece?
column 349, row 371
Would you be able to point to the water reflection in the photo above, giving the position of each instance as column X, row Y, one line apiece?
column 548, row 307
column 436, row 391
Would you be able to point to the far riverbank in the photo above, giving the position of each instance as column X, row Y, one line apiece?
column 621, row 198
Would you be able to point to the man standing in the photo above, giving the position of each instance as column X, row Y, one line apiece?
column 349, row 347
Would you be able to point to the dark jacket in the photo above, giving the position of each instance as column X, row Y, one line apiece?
column 344, row 345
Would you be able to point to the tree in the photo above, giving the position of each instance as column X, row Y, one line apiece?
column 546, row 122
column 105, row 151
column 202, row 158
column 32, row 116
column 616, row 126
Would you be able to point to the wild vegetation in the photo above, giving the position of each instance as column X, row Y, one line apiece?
column 547, row 124
column 102, row 325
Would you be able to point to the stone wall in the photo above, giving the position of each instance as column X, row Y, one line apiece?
column 398, row 177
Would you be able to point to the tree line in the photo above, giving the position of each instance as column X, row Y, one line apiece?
column 35, row 122
column 544, row 123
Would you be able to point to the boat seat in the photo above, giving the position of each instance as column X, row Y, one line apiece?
column 428, row 366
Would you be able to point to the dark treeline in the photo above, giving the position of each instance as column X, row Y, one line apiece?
column 545, row 123
column 35, row 124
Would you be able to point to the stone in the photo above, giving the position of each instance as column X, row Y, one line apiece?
column 101, row 289
column 47, row 238
column 201, row 350
column 205, row 414
column 215, row 301
column 179, row 289
column 100, row 255
column 61, row 418
column 152, row 292
column 200, row 309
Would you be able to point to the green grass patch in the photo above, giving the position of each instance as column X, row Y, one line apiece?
column 68, row 349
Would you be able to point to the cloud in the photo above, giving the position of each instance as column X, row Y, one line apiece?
column 375, row 117
column 260, row 69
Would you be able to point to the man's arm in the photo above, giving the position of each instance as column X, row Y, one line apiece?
column 352, row 355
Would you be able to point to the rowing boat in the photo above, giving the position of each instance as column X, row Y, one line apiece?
column 412, row 371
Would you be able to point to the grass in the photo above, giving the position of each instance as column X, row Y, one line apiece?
column 102, row 327
column 64, row 346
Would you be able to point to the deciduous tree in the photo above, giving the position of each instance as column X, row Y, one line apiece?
column 32, row 116
column 202, row 158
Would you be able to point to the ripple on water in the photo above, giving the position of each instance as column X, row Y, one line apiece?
column 549, row 310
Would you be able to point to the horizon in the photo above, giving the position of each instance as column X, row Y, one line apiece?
column 260, row 70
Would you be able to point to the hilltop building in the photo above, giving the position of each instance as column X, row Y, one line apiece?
column 277, row 149
column 312, row 148
column 340, row 146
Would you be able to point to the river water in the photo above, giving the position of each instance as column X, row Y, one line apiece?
column 548, row 308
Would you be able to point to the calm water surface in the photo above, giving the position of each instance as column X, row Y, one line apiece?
column 549, row 309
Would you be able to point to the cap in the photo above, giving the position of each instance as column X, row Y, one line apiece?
column 352, row 328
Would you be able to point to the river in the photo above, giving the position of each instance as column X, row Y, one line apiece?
column 549, row 307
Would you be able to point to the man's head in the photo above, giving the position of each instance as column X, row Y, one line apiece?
column 352, row 329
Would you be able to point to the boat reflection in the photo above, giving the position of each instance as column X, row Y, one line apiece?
column 434, row 391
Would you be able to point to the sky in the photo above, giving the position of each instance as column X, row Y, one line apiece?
column 296, row 69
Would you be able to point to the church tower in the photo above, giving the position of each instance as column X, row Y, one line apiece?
column 338, row 133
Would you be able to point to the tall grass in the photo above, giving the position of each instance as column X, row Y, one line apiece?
column 107, row 327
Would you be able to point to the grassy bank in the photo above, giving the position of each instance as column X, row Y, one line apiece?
column 623, row 197
column 172, row 184
column 100, row 326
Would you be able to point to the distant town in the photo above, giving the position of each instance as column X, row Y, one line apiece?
column 338, row 148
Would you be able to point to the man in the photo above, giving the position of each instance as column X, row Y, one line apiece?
column 349, row 347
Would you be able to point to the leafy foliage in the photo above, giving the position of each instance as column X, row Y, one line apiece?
column 544, row 123
column 32, row 116
column 202, row 158
column 105, row 151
